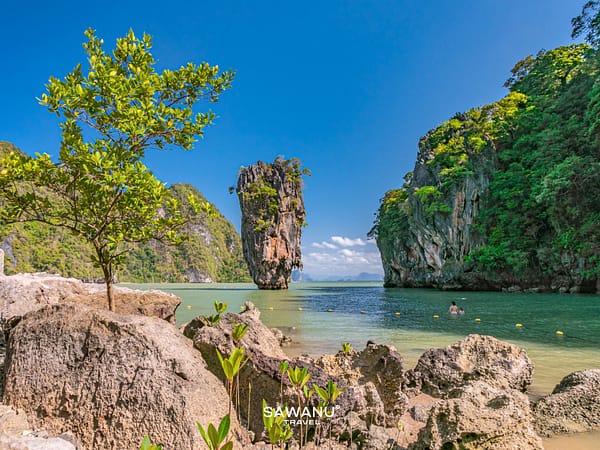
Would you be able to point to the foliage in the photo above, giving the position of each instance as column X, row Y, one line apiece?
column 238, row 331
column 148, row 445
column 214, row 319
column 231, row 367
column 262, row 198
column 587, row 24
column 276, row 426
column 215, row 438
column 329, row 394
column 346, row 348
column 538, row 146
column 99, row 189
column 211, row 248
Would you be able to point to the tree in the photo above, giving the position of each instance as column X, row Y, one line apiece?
column 99, row 188
column 588, row 23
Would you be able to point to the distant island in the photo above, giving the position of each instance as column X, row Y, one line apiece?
column 301, row 277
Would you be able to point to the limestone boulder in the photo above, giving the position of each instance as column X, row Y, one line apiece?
column 22, row 293
column 379, row 371
column 573, row 406
column 110, row 379
column 477, row 357
column 479, row 416
column 260, row 377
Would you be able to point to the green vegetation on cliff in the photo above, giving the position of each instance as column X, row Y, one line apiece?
column 212, row 249
column 535, row 159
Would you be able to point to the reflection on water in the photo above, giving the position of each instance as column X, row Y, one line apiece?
column 414, row 330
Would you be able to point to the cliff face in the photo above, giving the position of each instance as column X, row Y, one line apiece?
column 430, row 251
column 270, row 197
column 507, row 195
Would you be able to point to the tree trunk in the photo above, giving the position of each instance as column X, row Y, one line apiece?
column 109, row 294
column 107, row 271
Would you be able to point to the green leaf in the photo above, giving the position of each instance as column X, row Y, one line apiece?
column 223, row 428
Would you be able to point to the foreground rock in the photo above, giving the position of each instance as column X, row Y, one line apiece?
column 273, row 214
column 479, row 416
column 360, row 405
column 476, row 357
column 573, row 406
column 22, row 293
column 16, row 435
column 378, row 370
column 110, row 379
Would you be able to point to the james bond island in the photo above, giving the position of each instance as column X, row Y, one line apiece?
column 273, row 215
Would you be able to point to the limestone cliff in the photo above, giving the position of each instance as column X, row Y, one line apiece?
column 430, row 250
column 507, row 195
column 270, row 197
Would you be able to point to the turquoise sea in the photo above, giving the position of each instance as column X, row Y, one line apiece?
column 363, row 311
column 367, row 311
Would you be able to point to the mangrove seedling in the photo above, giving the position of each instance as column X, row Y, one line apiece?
column 276, row 426
column 283, row 367
column 231, row 367
column 299, row 377
column 238, row 331
column 330, row 393
column 148, row 445
column 214, row 319
column 213, row 437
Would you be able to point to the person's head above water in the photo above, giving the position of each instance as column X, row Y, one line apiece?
column 454, row 303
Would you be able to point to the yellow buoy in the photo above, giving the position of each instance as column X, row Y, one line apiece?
column 435, row 316
column 518, row 325
column 560, row 333
column 270, row 308
column 241, row 307
column 189, row 306
column 477, row 319
column 330, row 310
column 299, row 309
column 362, row 311
column 397, row 313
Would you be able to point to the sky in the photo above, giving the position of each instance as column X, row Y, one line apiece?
column 346, row 86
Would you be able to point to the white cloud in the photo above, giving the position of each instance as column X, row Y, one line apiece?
column 323, row 244
column 327, row 260
column 347, row 242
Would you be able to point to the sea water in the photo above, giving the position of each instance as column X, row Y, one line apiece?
column 367, row 311
column 414, row 320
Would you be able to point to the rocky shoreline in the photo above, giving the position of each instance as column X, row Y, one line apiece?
column 80, row 377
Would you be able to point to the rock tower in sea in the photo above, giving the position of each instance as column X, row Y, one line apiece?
column 273, row 215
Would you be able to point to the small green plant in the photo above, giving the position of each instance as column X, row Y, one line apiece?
column 299, row 377
column 214, row 438
column 219, row 308
column 148, row 445
column 346, row 348
column 238, row 331
column 231, row 367
column 276, row 426
column 283, row 367
column 330, row 393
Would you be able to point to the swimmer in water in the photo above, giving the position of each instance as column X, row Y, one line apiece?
column 461, row 311
column 453, row 308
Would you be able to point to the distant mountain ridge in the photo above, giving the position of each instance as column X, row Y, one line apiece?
column 212, row 252
column 301, row 277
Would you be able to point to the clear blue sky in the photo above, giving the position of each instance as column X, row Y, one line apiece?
column 346, row 86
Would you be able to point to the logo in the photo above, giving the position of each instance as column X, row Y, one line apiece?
column 300, row 416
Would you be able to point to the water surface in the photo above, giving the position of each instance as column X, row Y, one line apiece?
column 367, row 311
